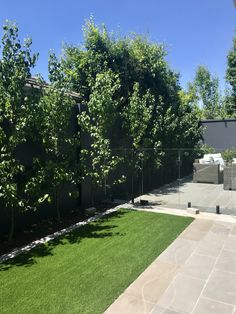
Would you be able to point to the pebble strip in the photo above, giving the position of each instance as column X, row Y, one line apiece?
column 52, row 236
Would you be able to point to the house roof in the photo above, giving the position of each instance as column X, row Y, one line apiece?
column 32, row 82
column 218, row 120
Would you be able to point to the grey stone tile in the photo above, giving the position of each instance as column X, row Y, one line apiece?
column 160, row 310
column 151, row 284
column 211, row 245
column 221, row 228
column 206, row 306
column 221, row 287
column 230, row 243
column 198, row 266
column 129, row 304
column 193, row 234
column 233, row 230
column 182, row 294
column 179, row 251
column 202, row 225
column 227, row 261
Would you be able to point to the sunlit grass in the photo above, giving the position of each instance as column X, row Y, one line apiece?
column 87, row 269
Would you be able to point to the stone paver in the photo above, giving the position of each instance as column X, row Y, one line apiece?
column 130, row 304
column 160, row 310
column 230, row 243
column 233, row 231
column 222, row 229
column 202, row 195
column 196, row 274
column 227, row 261
column 182, row 294
column 198, row 266
column 151, row 284
column 210, row 245
column 208, row 306
column 221, row 287
column 179, row 251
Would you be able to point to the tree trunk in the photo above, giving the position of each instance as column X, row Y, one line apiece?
column 132, row 188
column 132, row 184
column 12, row 229
column 92, row 194
column 58, row 207
column 142, row 189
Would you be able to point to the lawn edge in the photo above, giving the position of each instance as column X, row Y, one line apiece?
column 33, row 244
column 25, row 248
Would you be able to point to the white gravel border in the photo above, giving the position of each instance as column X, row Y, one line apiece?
column 157, row 209
column 54, row 235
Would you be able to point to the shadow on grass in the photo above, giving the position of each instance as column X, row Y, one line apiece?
column 97, row 229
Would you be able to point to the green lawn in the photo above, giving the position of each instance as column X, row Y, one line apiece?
column 87, row 269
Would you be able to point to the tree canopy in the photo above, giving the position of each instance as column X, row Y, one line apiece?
column 16, row 120
column 206, row 87
column 231, row 79
column 147, row 108
column 136, row 61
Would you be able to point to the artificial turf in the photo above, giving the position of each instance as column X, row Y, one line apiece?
column 85, row 270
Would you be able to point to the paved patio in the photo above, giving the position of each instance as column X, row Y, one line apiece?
column 196, row 274
column 201, row 195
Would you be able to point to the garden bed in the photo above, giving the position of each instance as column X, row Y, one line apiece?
column 42, row 228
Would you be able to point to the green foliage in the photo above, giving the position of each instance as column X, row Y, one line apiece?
column 206, row 149
column 207, row 92
column 205, row 89
column 228, row 107
column 148, row 100
column 229, row 154
column 59, row 166
column 137, row 115
column 136, row 119
column 98, row 160
column 231, row 78
column 16, row 118
column 134, row 102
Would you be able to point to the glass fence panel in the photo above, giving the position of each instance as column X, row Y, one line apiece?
column 173, row 178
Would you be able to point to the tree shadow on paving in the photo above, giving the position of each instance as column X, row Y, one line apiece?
column 95, row 229
column 171, row 188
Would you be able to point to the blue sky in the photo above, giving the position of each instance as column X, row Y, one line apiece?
column 194, row 31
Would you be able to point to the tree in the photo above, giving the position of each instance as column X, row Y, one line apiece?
column 231, row 79
column 16, row 120
column 98, row 161
column 207, row 91
column 136, row 117
column 59, row 165
column 134, row 59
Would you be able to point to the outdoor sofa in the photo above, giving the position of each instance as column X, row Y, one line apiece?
column 209, row 169
column 230, row 177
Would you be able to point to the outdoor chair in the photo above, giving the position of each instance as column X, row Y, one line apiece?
column 208, row 169
column 230, row 177
column 207, row 173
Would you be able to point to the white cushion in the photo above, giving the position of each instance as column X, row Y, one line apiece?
column 217, row 155
column 207, row 156
column 208, row 159
column 214, row 159
column 219, row 161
